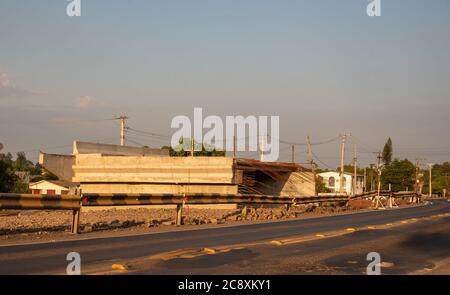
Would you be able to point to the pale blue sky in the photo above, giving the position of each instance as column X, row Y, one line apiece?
column 323, row 66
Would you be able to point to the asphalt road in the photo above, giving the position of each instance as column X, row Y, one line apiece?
column 416, row 247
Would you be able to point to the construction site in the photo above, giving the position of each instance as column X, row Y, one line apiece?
column 104, row 168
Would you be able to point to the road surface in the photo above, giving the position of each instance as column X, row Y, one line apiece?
column 409, row 240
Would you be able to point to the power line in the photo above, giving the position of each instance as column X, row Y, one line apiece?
column 146, row 132
column 320, row 161
column 148, row 137
column 241, row 138
column 315, row 143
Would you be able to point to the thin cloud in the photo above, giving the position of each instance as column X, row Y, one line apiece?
column 8, row 89
column 5, row 81
column 87, row 102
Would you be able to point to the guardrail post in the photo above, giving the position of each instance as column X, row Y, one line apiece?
column 179, row 214
column 75, row 221
column 244, row 212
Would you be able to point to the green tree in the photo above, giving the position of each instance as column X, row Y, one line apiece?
column 22, row 164
column 320, row 186
column 19, row 186
column 211, row 152
column 7, row 178
column 351, row 169
column 400, row 174
column 387, row 152
column 440, row 178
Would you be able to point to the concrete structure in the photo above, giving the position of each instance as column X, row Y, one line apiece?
column 331, row 180
column 52, row 187
column 119, row 169
column 80, row 147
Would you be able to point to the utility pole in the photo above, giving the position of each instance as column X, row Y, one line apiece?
column 310, row 155
column 364, row 183
column 430, row 166
column 341, row 176
column 372, row 186
column 192, row 147
column 122, row 119
column 416, row 184
column 234, row 146
column 355, row 159
column 293, row 153
column 262, row 147
column 311, row 162
column 379, row 157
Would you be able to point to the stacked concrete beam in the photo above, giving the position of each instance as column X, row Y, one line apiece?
column 149, row 174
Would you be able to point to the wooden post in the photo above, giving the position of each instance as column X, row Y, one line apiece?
column 179, row 214
column 75, row 221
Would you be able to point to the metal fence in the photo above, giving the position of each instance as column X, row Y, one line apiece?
column 76, row 202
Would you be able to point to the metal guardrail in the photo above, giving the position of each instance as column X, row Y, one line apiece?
column 76, row 202
column 39, row 202
column 370, row 194
column 44, row 202
column 182, row 199
column 178, row 199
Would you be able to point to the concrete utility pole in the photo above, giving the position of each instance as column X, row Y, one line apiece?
column 293, row 153
column 364, row 182
column 379, row 157
column 122, row 129
column 355, row 160
column 262, row 146
column 234, row 146
column 430, row 193
column 416, row 184
column 341, row 176
column 311, row 162
column 192, row 147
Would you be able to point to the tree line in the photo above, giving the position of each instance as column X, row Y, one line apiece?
column 400, row 174
column 13, row 171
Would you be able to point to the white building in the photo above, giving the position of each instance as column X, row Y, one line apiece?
column 331, row 180
column 51, row 187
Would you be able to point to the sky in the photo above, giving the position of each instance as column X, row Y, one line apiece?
column 324, row 67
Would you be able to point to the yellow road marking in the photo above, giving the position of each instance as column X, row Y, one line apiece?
column 192, row 253
column 209, row 250
column 386, row 264
column 117, row 266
